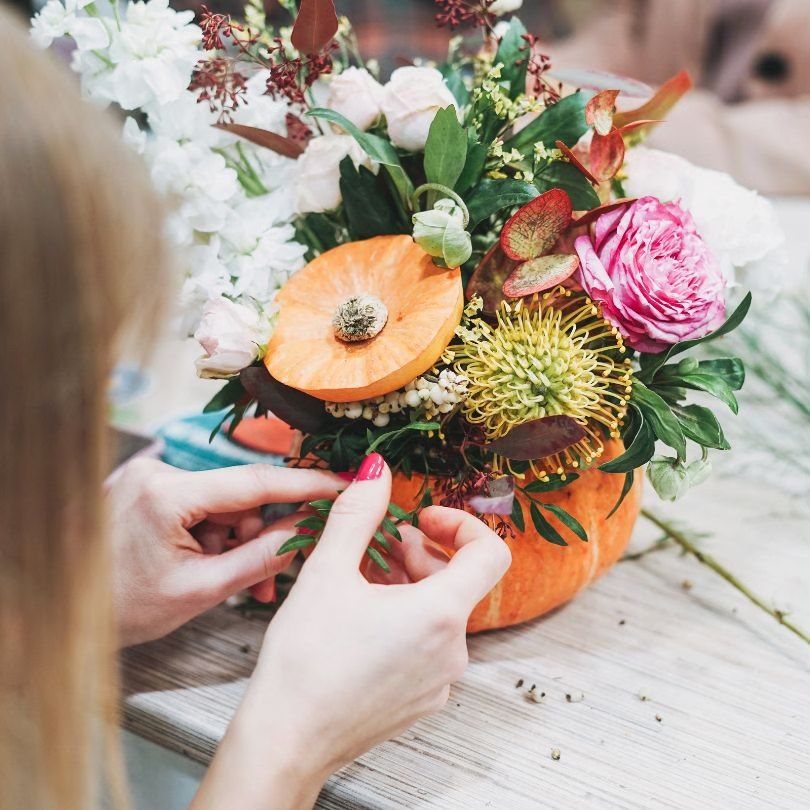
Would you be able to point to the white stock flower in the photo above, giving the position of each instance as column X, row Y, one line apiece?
column 57, row 19
column 134, row 136
column 317, row 185
column 208, row 278
column 232, row 336
column 356, row 95
column 258, row 246
column 740, row 226
column 412, row 98
column 154, row 54
column 500, row 7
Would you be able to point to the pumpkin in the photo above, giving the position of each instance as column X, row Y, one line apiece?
column 544, row 576
column 364, row 319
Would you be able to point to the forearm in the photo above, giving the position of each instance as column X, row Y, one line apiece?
column 256, row 770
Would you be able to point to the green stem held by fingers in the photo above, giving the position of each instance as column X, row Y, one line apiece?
column 686, row 544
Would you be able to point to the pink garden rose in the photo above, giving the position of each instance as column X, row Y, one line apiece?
column 653, row 275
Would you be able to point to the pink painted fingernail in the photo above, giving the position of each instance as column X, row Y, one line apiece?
column 371, row 468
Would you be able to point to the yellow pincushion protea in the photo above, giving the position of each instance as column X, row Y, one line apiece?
column 548, row 356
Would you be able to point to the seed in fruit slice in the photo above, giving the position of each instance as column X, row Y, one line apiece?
column 540, row 274
column 535, row 227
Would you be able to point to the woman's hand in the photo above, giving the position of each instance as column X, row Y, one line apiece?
column 171, row 530
column 345, row 663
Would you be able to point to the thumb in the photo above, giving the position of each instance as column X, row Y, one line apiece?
column 356, row 515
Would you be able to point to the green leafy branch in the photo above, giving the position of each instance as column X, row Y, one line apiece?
column 536, row 506
column 658, row 412
column 312, row 526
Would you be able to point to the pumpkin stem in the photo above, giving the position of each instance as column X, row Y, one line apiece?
column 360, row 317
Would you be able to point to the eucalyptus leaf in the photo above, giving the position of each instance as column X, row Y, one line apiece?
column 518, row 521
column 640, row 444
column 544, row 528
column 660, row 418
column 513, row 55
column 568, row 520
column 564, row 175
column 701, row 426
column 563, row 121
column 491, row 196
column 476, row 158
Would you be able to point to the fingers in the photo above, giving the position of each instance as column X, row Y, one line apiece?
column 481, row 559
column 421, row 557
column 249, row 563
column 355, row 516
column 233, row 489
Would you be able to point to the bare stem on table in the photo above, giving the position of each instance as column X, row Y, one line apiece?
column 687, row 545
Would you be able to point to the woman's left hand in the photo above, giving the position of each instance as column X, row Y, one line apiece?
column 172, row 531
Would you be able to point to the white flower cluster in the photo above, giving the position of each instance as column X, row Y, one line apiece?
column 436, row 394
column 235, row 241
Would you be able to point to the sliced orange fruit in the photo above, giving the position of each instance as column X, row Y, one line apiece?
column 313, row 347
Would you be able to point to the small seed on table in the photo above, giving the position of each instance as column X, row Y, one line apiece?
column 575, row 696
column 555, row 754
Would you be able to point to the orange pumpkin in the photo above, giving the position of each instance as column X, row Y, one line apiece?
column 544, row 576
column 423, row 304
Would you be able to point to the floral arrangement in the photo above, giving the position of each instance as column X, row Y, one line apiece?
column 474, row 268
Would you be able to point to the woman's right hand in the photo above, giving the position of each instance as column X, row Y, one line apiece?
column 347, row 664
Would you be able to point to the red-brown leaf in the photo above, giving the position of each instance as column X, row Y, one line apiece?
column 488, row 278
column 665, row 98
column 606, row 155
column 591, row 216
column 538, row 438
column 540, row 274
column 535, row 227
column 263, row 137
column 574, row 160
column 315, row 25
column 600, row 109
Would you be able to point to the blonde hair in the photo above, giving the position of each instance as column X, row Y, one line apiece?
column 80, row 251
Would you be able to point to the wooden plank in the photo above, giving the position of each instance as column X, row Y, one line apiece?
column 730, row 686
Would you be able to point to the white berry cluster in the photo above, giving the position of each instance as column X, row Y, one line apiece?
column 436, row 393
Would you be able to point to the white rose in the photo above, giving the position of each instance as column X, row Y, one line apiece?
column 232, row 336
column 317, row 186
column 412, row 98
column 739, row 225
column 500, row 7
column 356, row 95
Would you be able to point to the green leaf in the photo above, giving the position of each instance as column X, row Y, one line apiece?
column 375, row 147
column 366, row 202
column 226, row 397
column 513, row 53
column 294, row 543
column 700, row 425
column 544, row 528
column 570, row 179
column 659, row 417
column 651, row 363
column 640, row 443
column 518, row 521
column 382, row 540
column 378, row 558
column 626, row 487
column 398, row 512
column 475, row 160
column 731, row 369
column 445, row 149
column 322, row 505
column 711, row 384
column 313, row 523
column 389, row 526
column 567, row 519
column 563, row 121
column 491, row 196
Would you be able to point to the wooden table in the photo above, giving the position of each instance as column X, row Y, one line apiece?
column 690, row 696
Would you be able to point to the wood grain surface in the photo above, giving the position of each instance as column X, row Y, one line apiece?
column 690, row 697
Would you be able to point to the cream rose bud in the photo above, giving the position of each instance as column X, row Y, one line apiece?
column 356, row 95
column 232, row 336
column 500, row 7
column 412, row 98
column 317, row 186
